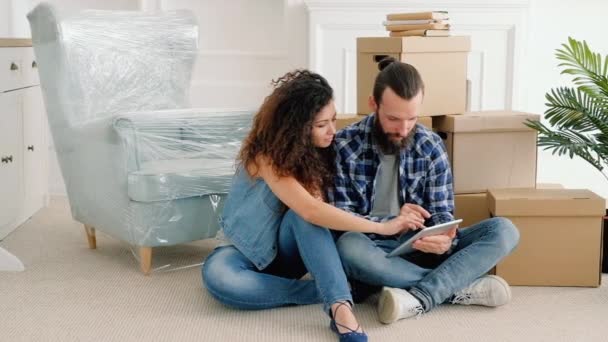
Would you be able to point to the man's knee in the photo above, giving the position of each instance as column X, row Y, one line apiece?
column 507, row 235
column 353, row 247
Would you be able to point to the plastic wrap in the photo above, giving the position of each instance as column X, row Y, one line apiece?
column 137, row 164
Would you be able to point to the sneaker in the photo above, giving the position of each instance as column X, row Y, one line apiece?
column 488, row 290
column 395, row 304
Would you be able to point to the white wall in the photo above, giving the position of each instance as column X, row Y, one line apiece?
column 242, row 45
column 551, row 22
column 5, row 8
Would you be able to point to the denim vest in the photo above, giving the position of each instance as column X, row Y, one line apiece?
column 251, row 218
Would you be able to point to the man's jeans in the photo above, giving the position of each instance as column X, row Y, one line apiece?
column 303, row 247
column 431, row 278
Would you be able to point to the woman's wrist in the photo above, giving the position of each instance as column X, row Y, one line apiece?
column 377, row 228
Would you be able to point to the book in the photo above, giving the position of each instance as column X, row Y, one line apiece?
column 420, row 33
column 418, row 27
column 414, row 22
column 437, row 15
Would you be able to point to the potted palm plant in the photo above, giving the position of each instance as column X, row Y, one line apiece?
column 578, row 116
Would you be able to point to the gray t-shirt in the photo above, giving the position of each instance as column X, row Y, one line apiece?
column 386, row 200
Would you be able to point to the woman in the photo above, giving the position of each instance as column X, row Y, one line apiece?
column 275, row 216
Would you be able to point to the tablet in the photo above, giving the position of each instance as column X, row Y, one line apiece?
column 407, row 246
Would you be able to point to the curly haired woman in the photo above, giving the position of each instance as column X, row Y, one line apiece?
column 276, row 218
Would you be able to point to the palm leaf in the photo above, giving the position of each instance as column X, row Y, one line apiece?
column 567, row 142
column 575, row 109
column 578, row 116
column 589, row 70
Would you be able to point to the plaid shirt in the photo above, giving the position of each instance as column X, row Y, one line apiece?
column 425, row 177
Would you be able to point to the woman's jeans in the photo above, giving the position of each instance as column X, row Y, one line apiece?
column 303, row 247
column 431, row 278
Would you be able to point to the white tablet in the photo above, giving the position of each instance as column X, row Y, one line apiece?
column 407, row 246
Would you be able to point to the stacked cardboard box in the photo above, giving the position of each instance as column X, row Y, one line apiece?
column 441, row 61
column 490, row 149
column 560, row 229
column 493, row 156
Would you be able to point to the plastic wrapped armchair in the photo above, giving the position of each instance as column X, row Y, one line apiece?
column 137, row 165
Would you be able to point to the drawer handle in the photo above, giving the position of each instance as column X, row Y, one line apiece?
column 30, row 148
column 14, row 66
column 34, row 64
column 7, row 160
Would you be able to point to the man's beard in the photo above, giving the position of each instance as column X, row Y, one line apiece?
column 383, row 140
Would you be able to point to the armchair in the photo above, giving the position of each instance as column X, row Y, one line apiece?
column 137, row 164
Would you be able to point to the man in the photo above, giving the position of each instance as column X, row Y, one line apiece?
column 387, row 165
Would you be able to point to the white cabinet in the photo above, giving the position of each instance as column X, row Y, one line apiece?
column 11, row 162
column 23, row 137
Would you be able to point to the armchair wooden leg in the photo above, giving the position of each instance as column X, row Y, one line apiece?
column 145, row 259
column 91, row 236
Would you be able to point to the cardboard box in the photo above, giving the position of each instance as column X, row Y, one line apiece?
column 549, row 186
column 560, row 236
column 471, row 208
column 426, row 121
column 344, row 120
column 490, row 149
column 441, row 61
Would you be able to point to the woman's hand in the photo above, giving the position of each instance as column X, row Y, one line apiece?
column 400, row 224
column 414, row 209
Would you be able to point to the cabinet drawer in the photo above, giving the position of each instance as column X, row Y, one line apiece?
column 17, row 68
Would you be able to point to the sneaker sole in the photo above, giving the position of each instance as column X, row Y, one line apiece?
column 506, row 287
column 387, row 307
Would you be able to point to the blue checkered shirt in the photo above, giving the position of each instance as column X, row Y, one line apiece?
column 425, row 177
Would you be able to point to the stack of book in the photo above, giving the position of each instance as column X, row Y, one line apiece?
column 424, row 24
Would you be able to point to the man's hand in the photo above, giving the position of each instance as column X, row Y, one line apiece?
column 436, row 244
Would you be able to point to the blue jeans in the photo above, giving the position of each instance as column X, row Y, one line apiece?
column 431, row 278
column 303, row 247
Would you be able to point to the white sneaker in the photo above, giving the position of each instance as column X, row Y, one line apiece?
column 395, row 304
column 488, row 290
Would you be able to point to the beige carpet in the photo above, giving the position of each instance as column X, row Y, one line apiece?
column 70, row 293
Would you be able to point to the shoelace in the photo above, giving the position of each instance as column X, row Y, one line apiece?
column 417, row 310
column 462, row 299
column 466, row 298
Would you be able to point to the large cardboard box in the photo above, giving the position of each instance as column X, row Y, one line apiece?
column 473, row 208
column 489, row 149
column 560, row 236
column 344, row 120
column 441, row 61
